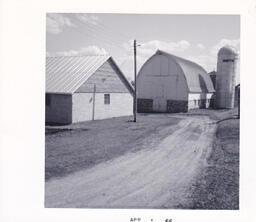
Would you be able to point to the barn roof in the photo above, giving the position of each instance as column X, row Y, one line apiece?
column 197, row 78
column 65, row 74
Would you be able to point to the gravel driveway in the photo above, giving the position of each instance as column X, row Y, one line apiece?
column 151, row 178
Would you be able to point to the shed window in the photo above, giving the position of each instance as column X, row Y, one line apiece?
column 47, row 100
column 106, row 98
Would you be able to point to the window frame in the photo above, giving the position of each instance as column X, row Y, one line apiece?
column 106, row 98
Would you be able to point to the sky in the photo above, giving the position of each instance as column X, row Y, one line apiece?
column 194, row 37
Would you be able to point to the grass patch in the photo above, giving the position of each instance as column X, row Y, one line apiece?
column 218, row 186
column 79, row 146
column 218, row 115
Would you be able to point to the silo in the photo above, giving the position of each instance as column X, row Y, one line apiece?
column 226, row 77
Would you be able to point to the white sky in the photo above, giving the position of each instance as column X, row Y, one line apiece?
column 195, row 37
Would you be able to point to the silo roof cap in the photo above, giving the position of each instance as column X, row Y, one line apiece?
column 227, row 50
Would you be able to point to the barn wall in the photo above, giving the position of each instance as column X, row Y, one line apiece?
column 199, row 100
column 161, row 80
column 59, row 110
column 161, row 77
column 144, row 105
column 177, row 106
column 121, row 104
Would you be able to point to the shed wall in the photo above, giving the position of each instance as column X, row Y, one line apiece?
column 82, row 107
column 59, row 110
column 121, row 104
column 107, row 79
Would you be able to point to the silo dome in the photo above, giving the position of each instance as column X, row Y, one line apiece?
column 225, row 77
column 227, row 50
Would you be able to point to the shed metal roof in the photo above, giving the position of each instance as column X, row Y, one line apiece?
column 66, row 74
column 197, row 78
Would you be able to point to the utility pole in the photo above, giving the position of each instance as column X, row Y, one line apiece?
column 238, row 97
column 135, row 85
column 93, row 102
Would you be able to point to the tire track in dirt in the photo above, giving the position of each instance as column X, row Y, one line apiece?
column 153, row 178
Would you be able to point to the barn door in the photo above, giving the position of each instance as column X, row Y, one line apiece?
column 160, row 102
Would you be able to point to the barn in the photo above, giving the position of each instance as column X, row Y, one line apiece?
column 213, row 78
column 81, row 88
column 167, row 83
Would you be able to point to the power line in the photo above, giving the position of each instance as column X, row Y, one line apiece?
column 104, row 27
column 111, row 28
column 98, row 33
column 92, row 33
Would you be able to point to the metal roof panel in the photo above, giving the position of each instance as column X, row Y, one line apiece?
column 66, row 74
column 197, row 78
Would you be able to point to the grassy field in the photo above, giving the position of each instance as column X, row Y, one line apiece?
column 80, row 146
column 218, row 186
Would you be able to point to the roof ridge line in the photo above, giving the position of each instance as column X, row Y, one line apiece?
column 74, row 56
column 187, row 60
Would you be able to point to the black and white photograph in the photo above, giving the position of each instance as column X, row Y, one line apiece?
column 151, row 122
column 127, row 111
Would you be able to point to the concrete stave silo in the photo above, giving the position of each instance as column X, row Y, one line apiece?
column 226, row 77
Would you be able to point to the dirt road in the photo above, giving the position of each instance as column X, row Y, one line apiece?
column 151, row 178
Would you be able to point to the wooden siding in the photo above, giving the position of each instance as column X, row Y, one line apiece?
column 107, row 79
